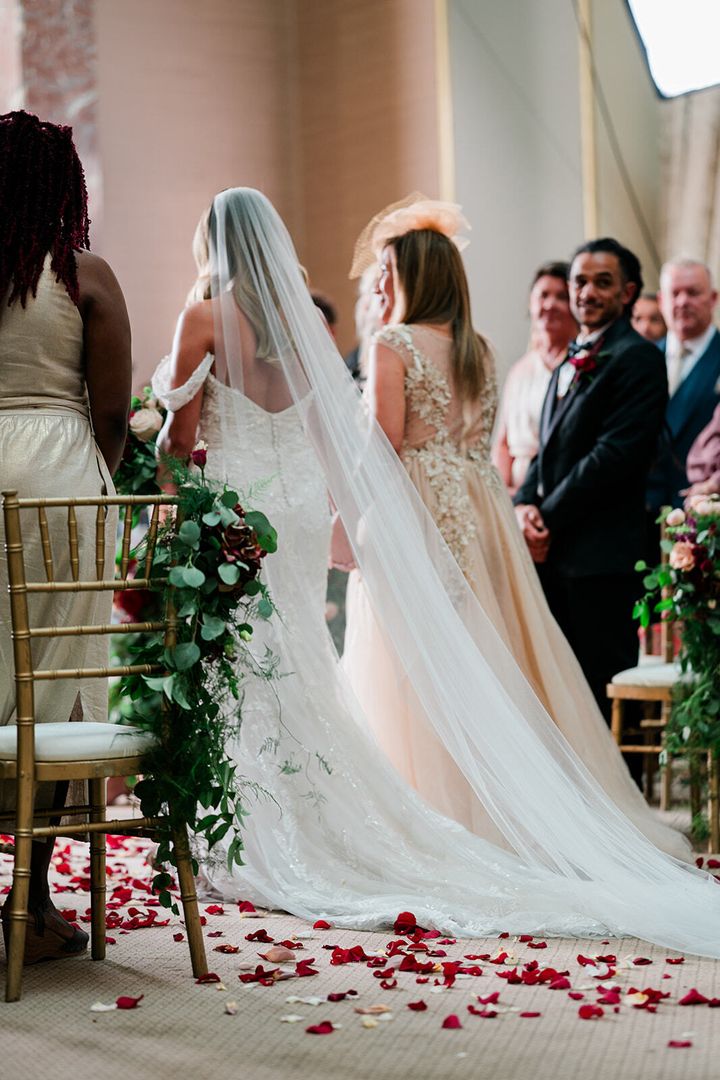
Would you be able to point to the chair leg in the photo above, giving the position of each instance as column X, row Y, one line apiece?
column 616, row 720
column 188, row 896
column 18, row 913
column 713, row 802
column 98, row 871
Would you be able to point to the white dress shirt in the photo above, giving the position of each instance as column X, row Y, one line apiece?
column 693, row 347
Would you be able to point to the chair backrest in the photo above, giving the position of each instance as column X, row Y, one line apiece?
column 17, row 530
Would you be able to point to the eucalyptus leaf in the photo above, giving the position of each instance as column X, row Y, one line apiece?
column 265, row 608
column 193, row 577
column 212, row 517
column 212, row 627
column 229, row 498
column 185, row 655
column 228, row 573
column 189, row 533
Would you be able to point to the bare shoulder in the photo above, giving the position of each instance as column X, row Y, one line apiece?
column 96, row 280
column 197, row 317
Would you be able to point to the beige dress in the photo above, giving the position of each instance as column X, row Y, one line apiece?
column 47, row 448
column 446, row 451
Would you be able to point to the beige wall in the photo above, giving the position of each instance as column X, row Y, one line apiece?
column 518, row 164
column 10, row 64
column 192, row 98
column 329, row 107
column 517, row 152
column 636, row 111
column 367, row 126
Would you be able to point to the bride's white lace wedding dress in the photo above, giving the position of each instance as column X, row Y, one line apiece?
column 350, row 842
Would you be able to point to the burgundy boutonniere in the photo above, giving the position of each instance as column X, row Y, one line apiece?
column 585, row 361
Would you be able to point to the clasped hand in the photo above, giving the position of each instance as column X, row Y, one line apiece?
column 535, row 531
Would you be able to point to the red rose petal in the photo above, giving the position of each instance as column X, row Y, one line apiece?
column 245, row 905
column 324, row 1028
column 491, row 999
column 675, row 960
column 178, row 937
column 452, row 1021
column 639, row 961
column 576, row 995
column 590, row 1012
column 560, row 984
column 389, row 984
column 128, row 1002
column 693, row 997
column 530, row 1015
column 487, row 1014
column 215, row 909
column 680, row 1044
column 417, row 1006
column 260, row 935
column 209, row 977
column 405, row 924
column 321, row 925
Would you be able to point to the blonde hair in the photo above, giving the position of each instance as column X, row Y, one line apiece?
column 432, row 279
column 243, row 289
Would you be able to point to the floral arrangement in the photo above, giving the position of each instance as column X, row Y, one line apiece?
column 136, row 473
column 207, row 565
column 687, row 589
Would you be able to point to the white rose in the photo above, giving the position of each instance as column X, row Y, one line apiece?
column 686, row 733
column 145, row 423
column 675, row 517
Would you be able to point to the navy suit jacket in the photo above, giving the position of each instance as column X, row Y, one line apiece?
column 689, row 410
column 596, row 446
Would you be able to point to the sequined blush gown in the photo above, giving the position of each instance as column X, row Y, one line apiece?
column 446, row 451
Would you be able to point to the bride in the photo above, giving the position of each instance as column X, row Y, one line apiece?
column 254, row 371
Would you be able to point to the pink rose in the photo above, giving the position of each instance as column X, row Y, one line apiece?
column 675, row 517
column 682, row 556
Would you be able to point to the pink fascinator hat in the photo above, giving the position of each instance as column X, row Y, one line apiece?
column 415, row 211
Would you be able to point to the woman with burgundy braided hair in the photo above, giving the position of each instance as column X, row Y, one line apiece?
column 64, row 398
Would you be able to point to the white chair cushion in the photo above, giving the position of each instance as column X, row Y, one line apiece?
column 79, row 742
column 646, row 674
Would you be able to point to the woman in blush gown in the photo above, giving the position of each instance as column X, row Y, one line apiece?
column 432, row 389
column 255, row 373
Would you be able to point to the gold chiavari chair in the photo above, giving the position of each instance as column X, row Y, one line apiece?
column 651, row 683
column 31, row 753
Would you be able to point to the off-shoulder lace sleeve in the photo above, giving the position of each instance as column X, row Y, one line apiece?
column 174, row 399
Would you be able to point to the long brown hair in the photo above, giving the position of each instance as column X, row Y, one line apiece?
column 432, row 277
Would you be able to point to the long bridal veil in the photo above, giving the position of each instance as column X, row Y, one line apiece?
column 545, row 804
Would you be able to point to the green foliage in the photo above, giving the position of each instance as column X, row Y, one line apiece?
column 195, row 708
column 688, row 590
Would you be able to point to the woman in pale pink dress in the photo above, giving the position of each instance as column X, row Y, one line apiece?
column 552, row 328
column 432, row 389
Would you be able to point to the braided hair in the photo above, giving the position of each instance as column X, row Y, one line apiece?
column 44, row 205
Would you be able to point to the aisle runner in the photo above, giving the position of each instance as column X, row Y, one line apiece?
column 457, row 983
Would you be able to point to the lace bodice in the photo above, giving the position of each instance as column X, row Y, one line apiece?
column 448, row 439
column 265, row 454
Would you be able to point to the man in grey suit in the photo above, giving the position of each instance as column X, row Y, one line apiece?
column 692, row 352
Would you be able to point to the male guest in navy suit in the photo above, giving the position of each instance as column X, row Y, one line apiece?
column 692, row 352
column 582, row 504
